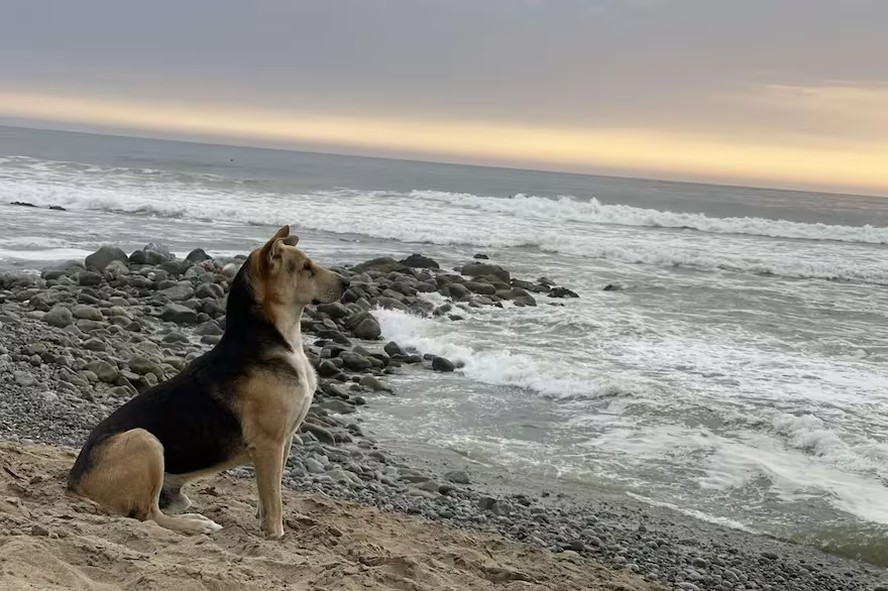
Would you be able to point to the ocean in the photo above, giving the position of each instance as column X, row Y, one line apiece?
column 739, row 374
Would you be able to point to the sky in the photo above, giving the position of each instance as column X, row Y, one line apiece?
column 785, row 93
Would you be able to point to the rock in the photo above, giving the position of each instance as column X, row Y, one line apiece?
column 22, row 204
column 103, row 257
column 612, row 287
column 23, row 378
column 334, row 310
column 355, row 362
column 442, row 364
column 420, row 262
column 392, row 349
column 519, row 296
column 59, row 316
column 85, row 312
column 94, row 345
column 481, row 288
column 143, row 365
column 104, row 371
column 688, row 586
column 88, row 278
column 313, row 466
column 457, row 291
column 178, row 314
column 116, row 270
column 485, row 270
column 208, row 328
column 481, row 256
column 562, row 292
column 372, row 383
column 324, row 435
column 337, row 406
column 198, row 255
column 486, row 503
column 368, row 329
column 383, row 264
column 457, row 477
column 178, row 293
column 18, row 279
column 209, row 290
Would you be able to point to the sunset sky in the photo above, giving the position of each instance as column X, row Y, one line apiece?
column 788, row 93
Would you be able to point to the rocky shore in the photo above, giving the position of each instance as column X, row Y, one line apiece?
column 78, row 340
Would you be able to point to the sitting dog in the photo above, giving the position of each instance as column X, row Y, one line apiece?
column 239, row 403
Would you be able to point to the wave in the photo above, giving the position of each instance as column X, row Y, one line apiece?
column 592, row 211
column 495, row 367
column 450, row 219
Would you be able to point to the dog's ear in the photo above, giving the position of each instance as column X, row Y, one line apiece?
column 270, row 255
column 291, row 240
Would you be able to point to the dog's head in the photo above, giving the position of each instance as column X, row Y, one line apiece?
column 284, row 279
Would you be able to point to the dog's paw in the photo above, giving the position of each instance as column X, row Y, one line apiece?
column 275, row 532
column 202, row 524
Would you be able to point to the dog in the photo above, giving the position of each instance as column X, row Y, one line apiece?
column 239, row 403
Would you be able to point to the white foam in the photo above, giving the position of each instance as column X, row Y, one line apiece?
column 546, row 376
column 584, row 229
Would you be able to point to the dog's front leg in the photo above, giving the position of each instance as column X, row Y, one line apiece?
column 268, row 461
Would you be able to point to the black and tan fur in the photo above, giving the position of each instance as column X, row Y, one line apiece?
column 239, row 403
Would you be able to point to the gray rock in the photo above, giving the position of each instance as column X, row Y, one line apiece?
column 143, row 365
column 198, row 255
column 562, row 292
column 103, row 257
column 95, row 345
column 368, row 329
column 178, row 293
column 355, row 362
column 324, row 435
column 443, row 365
column 85, row 312
column 383, row 264
column 420, row 262
column 208, row 328
column 373, row 383
column 337, row 406
column 88, row 278
column 178, row 314
column 104, row 371
column 457, row 476
column 313, row 466
column 393, row 349
column 59, row 316
column 209, row 290
column 23, row 378
column 485, row 270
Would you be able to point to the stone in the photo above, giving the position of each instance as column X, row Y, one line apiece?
column 372, row 383
column 442, row 364
column 143, row 365
column 209, row 290
column 18, row 280
column 84, row 312
column 178, row 314
column 457, row 476
column 178, row 293
column 562, row 292
column 208, row 328
column 88, row 278
column 23, row 378
column 103, row 257
column 393, row 349
column 59, row 316
column 104, row 371
column 420, row 262
column 354, row 361
column 334, row 310
column 95, row 345
column 383, row 264
column 481, row 288
column 313, row 466
column 198, row 255
column 368, row 329
column 324, row 435
column 485, row 270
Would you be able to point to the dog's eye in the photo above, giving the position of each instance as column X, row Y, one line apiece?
column 308, row 268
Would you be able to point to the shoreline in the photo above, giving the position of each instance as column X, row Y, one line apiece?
column 149, row 313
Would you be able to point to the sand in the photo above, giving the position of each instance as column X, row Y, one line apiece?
column 51, row 541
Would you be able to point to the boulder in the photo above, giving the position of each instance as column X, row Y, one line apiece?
column 442, row 364
column 485, row 270
column 562, row 292
column 178, row 314
column 59, row 316
column 198, row 255
column 103, row 257
column 87, row 312
column 178, row 292
column 383, row 264
column 419, row 261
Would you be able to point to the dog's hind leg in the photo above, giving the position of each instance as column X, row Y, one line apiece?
column 127, row 478
column 172, row 499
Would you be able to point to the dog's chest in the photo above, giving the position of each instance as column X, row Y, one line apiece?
column 302, row 391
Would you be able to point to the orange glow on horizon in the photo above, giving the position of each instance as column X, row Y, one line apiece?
column 853, row 165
